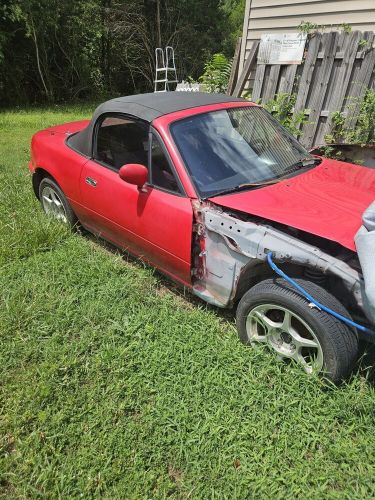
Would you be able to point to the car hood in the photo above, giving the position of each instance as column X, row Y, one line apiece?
column 328, row 200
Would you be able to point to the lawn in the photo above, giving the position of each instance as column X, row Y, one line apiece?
column 115, row 383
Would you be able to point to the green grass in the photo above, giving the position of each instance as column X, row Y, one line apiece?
column 115, row 384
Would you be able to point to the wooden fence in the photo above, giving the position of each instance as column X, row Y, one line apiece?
column 336, row 71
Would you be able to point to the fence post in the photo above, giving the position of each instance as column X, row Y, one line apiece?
column 246, row 70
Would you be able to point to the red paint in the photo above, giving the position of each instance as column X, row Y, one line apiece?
column 327, row 201
column 133, row 173
column 152, row 223
column 49, row 152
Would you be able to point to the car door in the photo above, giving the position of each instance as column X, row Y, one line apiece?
column 154, row 222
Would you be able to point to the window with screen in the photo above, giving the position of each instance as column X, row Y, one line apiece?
column 120, row 141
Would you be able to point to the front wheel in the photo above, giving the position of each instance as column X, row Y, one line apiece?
column 277, row 315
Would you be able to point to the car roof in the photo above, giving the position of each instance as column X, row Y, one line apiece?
column 150, row 106
column 146, row 107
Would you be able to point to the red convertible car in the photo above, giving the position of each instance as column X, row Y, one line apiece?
column 216, row 194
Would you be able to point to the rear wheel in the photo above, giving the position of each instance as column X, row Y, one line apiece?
column 275, row 314
column 55, row 203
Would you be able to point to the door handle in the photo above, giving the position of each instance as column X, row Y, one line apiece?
column 91, row 182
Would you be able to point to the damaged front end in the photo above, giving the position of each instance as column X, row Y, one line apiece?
column 230, row 256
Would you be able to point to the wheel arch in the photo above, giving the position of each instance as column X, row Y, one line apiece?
column 38, row 175
column 252, row 275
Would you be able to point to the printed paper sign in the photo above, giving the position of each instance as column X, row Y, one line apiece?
column 281, row 48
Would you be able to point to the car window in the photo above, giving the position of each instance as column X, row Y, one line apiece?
column 226, row 149
column 161, row 171
column 120, row 141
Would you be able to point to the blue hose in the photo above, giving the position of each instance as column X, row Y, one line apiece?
column 315, row 302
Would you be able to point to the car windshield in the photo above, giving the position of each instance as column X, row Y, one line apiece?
column 237, row 148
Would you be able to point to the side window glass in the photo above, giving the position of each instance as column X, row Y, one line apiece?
column 120, row 141
column 161, row 172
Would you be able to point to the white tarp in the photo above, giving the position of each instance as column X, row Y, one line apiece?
column 365, row 243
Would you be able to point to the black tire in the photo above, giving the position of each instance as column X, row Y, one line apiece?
column 71, row 218
column 338, row 342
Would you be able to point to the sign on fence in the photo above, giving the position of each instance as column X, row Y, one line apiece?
column 282, row 48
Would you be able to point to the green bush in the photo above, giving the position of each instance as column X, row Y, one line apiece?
column 281, row 107
column 363, row 132
column 216, row 74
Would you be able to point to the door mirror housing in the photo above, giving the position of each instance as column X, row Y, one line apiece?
column 134, row 173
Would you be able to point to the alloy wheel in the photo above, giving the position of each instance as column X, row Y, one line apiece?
column 52, row 204
column 286, row 333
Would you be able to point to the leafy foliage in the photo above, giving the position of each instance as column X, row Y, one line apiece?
column 363, row 132
column 333, row 152
column 216, row 74
column 346, row 27
column 234, row 11
column 362, row 43
column 338, row 128
column 281, row 107
column 308, row 27
column 94, row 48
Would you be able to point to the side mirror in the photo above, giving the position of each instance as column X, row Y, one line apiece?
column 134, row 173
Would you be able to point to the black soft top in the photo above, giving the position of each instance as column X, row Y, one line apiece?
column 146, row 107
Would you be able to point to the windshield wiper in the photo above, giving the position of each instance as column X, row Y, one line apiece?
column 246, row 185
column 306, row 162
column 310, row 161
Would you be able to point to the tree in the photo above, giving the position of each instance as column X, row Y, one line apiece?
column 54, row 51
